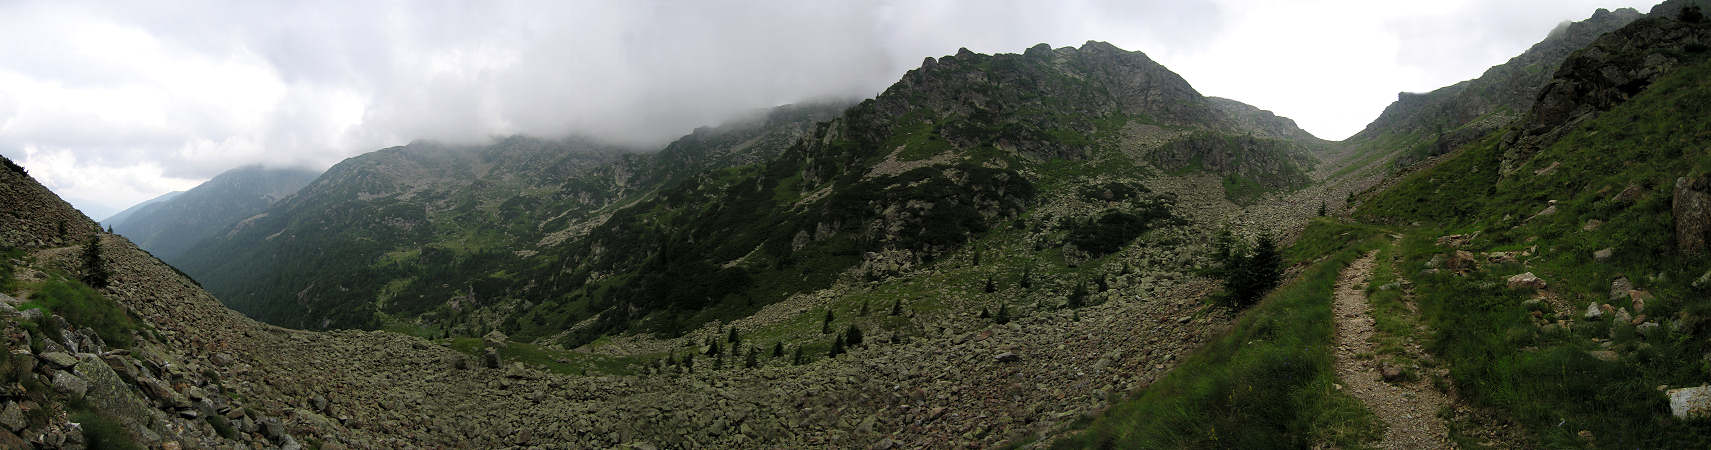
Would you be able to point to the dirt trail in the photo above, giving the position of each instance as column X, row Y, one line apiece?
column 1410, row 409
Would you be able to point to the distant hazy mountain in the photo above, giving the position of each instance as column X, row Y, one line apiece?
column 170, row 224
column 122, row 216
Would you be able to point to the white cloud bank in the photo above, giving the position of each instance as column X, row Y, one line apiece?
column 112, row 103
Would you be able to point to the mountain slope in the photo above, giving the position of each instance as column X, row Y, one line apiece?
column 723, row 222
column 121, row 216
column 170, row 225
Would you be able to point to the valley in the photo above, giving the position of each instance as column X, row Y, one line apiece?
column 1030, row 250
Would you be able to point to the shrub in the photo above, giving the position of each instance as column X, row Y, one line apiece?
column 84, row 307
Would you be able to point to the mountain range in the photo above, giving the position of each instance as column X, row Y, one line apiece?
column 1040, row 249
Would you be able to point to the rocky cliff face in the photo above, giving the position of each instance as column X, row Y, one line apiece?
column 1608, row 72
column 170, row 227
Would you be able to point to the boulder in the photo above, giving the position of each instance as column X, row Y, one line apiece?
column 1591, row 225
column 1526, row 281
column 1008, row 357
column 109, row 394
column 12, row 417
column 1619, row 288
column 1691, row 208
column 1603, row 254
column 1622, row 317
column 1640, row 298
column 490, row 359
column 59, row 360
column 495, row 339
column 69, row 384
column 1604, row 355
column 1461, row 261
column 1690, row 403
column 1593, row 312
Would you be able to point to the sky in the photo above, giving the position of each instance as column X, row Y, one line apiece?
column 113, row 103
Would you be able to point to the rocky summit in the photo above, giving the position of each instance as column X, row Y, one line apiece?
column 1059, row 248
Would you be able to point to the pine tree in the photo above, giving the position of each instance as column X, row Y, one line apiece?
column 796, row 359
column 864, row 308
column 689, row 362
column 752, row 360
column 719, row 362
column 1027, row 281
column 984, row 314
column 1103, row 285
column 732, row 337
column 852, row 336
column 778, row 349
column 990, row 287
column 897, row 307
column 1078, row 297
column 713, row 348
column 826, row 325
column 977, row 258
column 1321, row 209
column 837, row 347
column 1003, row 315
column 94, row 270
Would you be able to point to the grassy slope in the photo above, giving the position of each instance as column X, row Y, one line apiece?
column 1545, row 379
column 1266, row 384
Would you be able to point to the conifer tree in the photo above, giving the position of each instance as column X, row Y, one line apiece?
column 94, row 270
column 1003, row 314
column 796, row 359
column 852, row 336
column 864, row 308
column 1078, row 297
column 990, row 288
column 752, row 360
column 837, row 347
column 897, row 307
column 778, row 349
column 984, row 314
column 826, row 325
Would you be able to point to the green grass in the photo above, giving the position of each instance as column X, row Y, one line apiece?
column 565, row 362
column 84, row 307
column 1545, row 380
column 102, row 432
column 1266, row 384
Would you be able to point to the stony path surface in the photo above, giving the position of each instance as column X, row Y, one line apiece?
column 1410, row 410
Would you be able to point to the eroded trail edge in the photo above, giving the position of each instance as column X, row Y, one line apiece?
column 1410, row 410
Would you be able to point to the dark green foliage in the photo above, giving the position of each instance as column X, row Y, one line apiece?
column 1003, row 316
column 984, row 314
column 1321, row 209
column 222, row 426
column 14, row 167
column 102, row 432
column 778, row 349
column 1247, row 277
column 837, row 347
column 897, row 307
column 1103, row 284
column 1115, row 229
column 864, row 308
column 1078, row 296
column 732, row 337
column 826, row 325
column 990, row 286
column 1691, row 14
column 753, row 359
column 82, row 306
column 796, row 357
column 852, row 336
column 94, row 269
column 1027, row 281
column 713, row 348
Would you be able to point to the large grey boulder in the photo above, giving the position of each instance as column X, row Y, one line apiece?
column 109, row 394
column 12, row 417
column 1690, row 403
column 59, row 360
column 69, row 384
column 1691, row 208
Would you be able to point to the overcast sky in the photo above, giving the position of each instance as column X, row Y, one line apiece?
column 112, row 103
